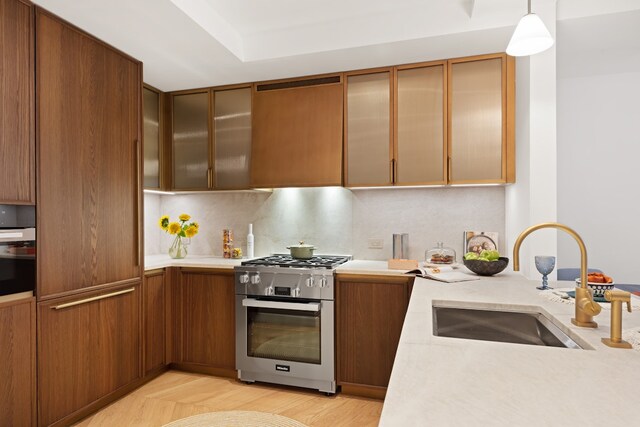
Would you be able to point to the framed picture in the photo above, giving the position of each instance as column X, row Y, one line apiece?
column 477, row 241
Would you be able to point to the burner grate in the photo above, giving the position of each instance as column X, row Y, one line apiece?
column 320, row 261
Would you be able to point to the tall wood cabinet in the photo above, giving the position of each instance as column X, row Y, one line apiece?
column 18, row 367
column 203, row 317
column 370, row 312
column 17, row 124
column 89, row 267
column 89, row 189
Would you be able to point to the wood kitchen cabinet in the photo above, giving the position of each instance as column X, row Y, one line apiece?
column 203, row 318
column 18, row 367
column 232, row 137
column 154, row 309
column 368, row 128
column 395, row 126
column 89, row 347
column 153, row 153
column 370, row 312
column 17, row 123
column 191, row 139
column 481, row 119
column 89, row 174
column 297, row 133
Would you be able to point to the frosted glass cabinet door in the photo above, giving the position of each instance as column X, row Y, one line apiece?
column 151, row 139
column 191, row 141
column 420, row 156
column 232, row 138
column 368, row 129
column 477, row 140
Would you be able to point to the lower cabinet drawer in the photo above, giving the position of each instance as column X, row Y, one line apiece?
column 88, row 347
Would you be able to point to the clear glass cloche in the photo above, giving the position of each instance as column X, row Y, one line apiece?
column 440, row 255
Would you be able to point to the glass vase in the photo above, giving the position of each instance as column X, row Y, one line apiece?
column 178, row 250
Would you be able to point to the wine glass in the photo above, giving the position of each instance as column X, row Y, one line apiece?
column 545, row 265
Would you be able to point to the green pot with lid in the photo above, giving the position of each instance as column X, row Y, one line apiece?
column 302, row 251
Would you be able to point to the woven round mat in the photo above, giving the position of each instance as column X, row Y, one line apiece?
column 236, row 419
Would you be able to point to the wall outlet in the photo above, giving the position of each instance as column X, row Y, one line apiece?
column 376, row 243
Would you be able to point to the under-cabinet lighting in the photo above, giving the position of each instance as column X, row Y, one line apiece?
column 165, row 193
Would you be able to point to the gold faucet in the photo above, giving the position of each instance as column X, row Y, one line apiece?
column 617, row 298
column 586, row 307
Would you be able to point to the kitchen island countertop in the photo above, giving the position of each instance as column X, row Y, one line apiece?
column 444, row 381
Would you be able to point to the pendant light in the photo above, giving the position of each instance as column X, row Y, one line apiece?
column 530, row 37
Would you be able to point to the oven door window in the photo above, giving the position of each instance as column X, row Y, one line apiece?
column 17, row 267
column 281, row 334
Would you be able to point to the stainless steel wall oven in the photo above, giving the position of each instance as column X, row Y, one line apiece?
column 17, row 251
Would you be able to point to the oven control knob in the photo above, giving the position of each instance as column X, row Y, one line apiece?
column 295, row 292
column 244, row 278
column 323, row 282
column 310, row 282
column 255, row 279
column 268, row 291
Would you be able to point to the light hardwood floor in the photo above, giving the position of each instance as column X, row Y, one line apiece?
column 175, row 395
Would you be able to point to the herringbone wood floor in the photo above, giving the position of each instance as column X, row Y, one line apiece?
column 175, row 395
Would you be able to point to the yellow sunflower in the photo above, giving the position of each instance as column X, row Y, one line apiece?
column 163, row 222
column 184, row 217
column 191, row 231
column 174, row 228
column 196, row 225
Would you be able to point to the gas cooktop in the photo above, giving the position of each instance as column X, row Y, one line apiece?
column 320, row 261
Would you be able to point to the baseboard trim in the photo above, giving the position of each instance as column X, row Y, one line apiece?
column 363, row 390
column 205, row 369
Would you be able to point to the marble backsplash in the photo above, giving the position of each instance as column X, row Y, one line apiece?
column 334, row 219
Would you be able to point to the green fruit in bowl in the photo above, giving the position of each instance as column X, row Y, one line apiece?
column 470, row 255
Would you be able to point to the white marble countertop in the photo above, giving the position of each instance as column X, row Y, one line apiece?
column 442, row 381
column 153, row 262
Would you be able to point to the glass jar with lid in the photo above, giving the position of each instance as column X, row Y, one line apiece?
column 440, row 255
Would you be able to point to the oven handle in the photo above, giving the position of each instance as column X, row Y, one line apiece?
column 251, row 302
column 18, row 235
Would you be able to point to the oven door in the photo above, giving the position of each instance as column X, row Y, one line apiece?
column 17, row 262
column 283, row 339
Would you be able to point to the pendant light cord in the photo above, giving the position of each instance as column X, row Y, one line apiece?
column 529, row 7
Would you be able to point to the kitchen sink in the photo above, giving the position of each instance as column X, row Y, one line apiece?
column 502, row 326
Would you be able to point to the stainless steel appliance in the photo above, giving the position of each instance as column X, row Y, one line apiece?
column 17, row 251
column 285, row 321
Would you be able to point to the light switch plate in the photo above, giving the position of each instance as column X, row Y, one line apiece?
column 376, row 243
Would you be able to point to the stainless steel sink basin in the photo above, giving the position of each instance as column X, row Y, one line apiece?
column 500, row 326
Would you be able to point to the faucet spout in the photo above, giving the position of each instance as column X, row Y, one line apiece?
column 586, row 307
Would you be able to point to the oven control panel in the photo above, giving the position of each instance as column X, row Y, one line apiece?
column 285, row 282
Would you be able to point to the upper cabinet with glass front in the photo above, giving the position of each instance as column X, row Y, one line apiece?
column 232, row 138
column 481, row 119
column 395, row 126
column 152, row 139
column 191, row 141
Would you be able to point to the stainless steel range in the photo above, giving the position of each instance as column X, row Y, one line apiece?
column 285, row 321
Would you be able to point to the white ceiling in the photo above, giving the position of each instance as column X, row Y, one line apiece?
column 197, row 43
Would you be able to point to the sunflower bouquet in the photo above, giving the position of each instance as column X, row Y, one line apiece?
column 181, row 228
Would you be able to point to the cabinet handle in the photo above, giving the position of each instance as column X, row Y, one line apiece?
column 96, row 298
column 395, row 171
column 391, row 171
column 209, row 178
column 449, row 170
column 137, row 254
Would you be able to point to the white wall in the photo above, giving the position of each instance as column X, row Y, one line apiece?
column 599, row 142
column 335, row 220
column 532, row 200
